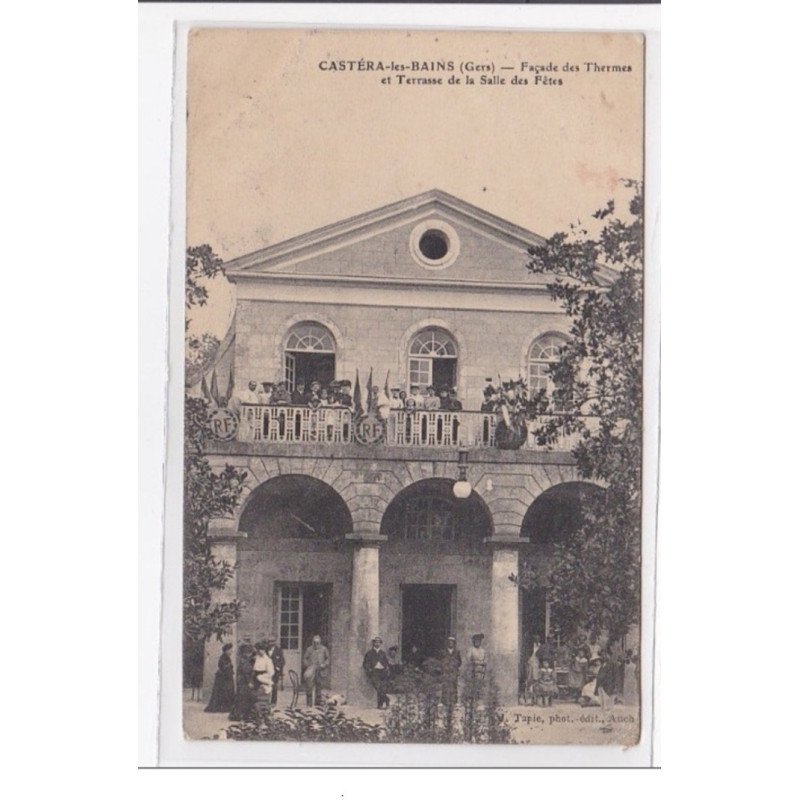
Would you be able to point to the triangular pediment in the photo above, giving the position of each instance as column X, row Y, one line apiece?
column 386, row 243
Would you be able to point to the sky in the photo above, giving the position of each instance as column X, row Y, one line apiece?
column 278, row 146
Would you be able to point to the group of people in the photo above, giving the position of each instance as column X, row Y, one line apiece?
column 337, row 394
column 593, row 676
column 510, row 395
column 258, row 676
column 382, row 667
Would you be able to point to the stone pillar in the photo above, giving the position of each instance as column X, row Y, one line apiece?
column 223, row 548
column 504, row 640
column 364, row 615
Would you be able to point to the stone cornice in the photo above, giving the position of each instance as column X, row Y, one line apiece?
column 382, row 452
column 416, row 282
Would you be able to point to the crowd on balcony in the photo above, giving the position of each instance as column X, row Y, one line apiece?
column 337, row 394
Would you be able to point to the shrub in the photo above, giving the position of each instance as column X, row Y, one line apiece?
column 326, row 724
column 419, row 716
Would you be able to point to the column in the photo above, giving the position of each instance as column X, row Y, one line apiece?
column 505, row 619
column 223, row 548
column 364, row 615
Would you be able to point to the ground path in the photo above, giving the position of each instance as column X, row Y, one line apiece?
column 563, row 723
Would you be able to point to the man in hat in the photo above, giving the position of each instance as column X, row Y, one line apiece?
column 376, row 665
column 316, row 660
column 314, row 395
column 444, row 399
column 281, row 396
column 276, row 655
column 453, row 402
column 451, row 664
column 299, row 395
column 476, row 657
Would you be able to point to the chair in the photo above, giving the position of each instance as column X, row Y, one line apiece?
column 293, row 677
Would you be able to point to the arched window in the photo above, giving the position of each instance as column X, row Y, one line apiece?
column 432, row 359
column 544, row 352
column 310, row 336
column 427, row 513
column 309, row 355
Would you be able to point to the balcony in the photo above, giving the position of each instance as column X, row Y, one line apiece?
column 426, row 429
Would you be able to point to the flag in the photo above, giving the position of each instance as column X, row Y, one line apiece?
column 204, row 388
column 386, row 385
column 359, row 409
column 214, row 387
column 369, row 390
column 229, row 390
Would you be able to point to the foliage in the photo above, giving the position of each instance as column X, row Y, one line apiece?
column 326, row 724
column 201, row 265
column 598, row 395
column 200, row 352
column 418, row 715
column 206, row 493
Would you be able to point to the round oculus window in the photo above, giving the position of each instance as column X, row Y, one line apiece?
column 434, row 244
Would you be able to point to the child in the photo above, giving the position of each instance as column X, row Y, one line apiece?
column 546, row 688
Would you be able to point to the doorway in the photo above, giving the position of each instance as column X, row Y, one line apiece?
column 304, row 367
column 304, row 611
column 534, row 621
column 428, row 618
column 444, row 373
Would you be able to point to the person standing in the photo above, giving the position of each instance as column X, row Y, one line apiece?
column 451, row 664
column 477, row 658
column 345, row 398
column 223, row 692
column 532, row 672
column 376, row 665
column 431, row 402
column 395, row 401
column 276, row 656
column 299, row 397
column 263, row 671
column 316, row 660
column 243, row 701
column 281, row 396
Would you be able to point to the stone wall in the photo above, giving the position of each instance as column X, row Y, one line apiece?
column 368, row 479
column 489, row 342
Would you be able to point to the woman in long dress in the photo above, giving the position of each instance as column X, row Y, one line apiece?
column 243, row 702
column 223, row 691
column 532, row 672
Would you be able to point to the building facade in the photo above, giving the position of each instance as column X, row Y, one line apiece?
column 349, row 526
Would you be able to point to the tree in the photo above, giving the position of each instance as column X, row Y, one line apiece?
column 595, row 576
column 206, row 493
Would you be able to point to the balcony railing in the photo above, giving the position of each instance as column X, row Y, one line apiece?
column 435, row 429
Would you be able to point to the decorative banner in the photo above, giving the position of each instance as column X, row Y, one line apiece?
column 224, row 424
column 369, row 429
